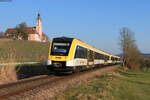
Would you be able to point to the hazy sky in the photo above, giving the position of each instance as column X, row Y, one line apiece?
column 96, row 22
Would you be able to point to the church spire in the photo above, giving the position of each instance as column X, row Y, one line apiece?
column 39, row 25
column 39, row 17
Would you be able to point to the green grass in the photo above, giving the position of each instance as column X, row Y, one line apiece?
column 21, row 51
column 119, row 85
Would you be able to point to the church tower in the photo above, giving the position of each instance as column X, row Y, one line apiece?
column 39, row 25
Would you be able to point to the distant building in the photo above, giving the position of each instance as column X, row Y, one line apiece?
column 34, row 33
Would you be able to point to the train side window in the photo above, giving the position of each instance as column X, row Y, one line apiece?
column 80, row 52
column 95, row 55
column 113, row 58
column 106, row 58
column 99, row 56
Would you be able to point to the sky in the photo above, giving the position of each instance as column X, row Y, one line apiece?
column 96, row 22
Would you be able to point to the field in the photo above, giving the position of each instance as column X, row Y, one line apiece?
column 119, row 85
column 22, row 51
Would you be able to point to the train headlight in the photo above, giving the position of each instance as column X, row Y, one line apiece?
column 49, row 62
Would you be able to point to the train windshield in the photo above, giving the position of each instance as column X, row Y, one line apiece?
column 60, row 49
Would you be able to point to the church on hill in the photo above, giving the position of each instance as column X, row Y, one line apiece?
column 34, row 33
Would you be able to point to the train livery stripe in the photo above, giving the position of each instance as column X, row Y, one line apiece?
column 83, row 62
column 77, row 62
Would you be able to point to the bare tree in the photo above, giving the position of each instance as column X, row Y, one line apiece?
column 21, row 32
column 2, row 34
column 131, row 53
column 22, row 25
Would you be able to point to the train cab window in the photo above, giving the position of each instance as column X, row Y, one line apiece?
column 80, row 52
column 60, row 49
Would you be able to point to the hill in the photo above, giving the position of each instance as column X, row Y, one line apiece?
column 22, row 51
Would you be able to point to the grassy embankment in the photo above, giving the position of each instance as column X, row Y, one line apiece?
column 119, row 85
column 22, row 51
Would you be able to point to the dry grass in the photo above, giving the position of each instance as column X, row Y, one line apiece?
column 7, row 74
column 11, row 73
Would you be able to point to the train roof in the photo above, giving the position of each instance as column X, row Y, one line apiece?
column 96, row 50
column 90, row 47
column 82, row 43
column 63, row 39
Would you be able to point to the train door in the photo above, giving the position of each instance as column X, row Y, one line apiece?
column 105, row 59
column 90, row 58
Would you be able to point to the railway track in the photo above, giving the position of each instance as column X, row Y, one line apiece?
column 22, row 86
column 29, row 87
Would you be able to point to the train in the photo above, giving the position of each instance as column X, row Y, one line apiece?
column 72, row 55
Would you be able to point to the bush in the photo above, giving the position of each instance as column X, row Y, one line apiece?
column 146, row 64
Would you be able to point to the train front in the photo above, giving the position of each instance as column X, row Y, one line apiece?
column 59, row 54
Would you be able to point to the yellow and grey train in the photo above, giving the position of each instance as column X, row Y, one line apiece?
column 70, row 54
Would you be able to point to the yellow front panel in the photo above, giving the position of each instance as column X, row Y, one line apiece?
column 57, row 58
column 72, row 50
column 64, row 58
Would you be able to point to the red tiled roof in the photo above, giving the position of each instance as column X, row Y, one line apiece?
column 29, row 30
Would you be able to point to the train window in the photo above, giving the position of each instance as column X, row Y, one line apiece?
column 106, row 57
column 60, row 49
column 112, row 58
column 96, row 55
column 99, row 56
column 80, row 52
